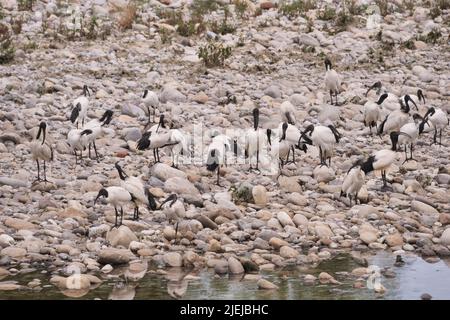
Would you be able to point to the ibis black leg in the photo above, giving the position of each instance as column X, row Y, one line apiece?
column 45, row 173
column 218, row 175
column 176, row 232
column 89, row 151
column 331, row 97
column 96, row 153
column 117, row 213
column 121, row 215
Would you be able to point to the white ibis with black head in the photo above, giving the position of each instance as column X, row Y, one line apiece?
column 174, row 210
column 382, row 159
column 96, row 126
column 439, row 120
column 353, row 182
column 396, row 119
column 41, row 150
column 217, row 153
column 372, row 112
column 255, row 140
column 323, row 137
column 150, row 100
column 332, row 81
column 78, row 141
column 408, row 135
column 140, row 194
column 117, row 197
column 79, row 107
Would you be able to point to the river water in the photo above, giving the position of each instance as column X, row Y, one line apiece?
column 411, row 280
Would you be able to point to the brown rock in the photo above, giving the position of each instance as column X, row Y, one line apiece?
column 19, row 224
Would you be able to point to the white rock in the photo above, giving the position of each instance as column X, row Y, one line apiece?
column 284, row 219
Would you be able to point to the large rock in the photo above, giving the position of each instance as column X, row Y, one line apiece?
column 300, row 220
column 307, row 40
column 235, row 266
column 15, row 183
column 326, row 278
column 19, row 224
column 273, row 91
column 14, row 252
column 323, row 231
column 170, row 93
column 115, row 256
column 394, row 240
column 163, row 172
column 121, row 236
column 445, row 237
column 323, row 174
column 421, row 207
column 284, row 219
column 6, row 240
column 266, row 285
column 289, row 184
column 207, row 222
column 277, row 243
column 367, row 234
column 298, row 199
column 173, row 259
column 259, row 195
column 288, row 252
column 181, row 186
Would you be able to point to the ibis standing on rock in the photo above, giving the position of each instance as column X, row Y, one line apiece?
column 372, row 111
column 323, row 137
column 439, row 121
column 150, row 100
column 408, row 135
column 332, row 81
column 353, row 182
column 140, row 194
column 96, row 127
column 117, row 197
column 254, row 140
column 79, row 107
column 287, row 112
column 174, row 210
column 41, row 149
column 217, row 153
column 382, row 160
column 396, row 119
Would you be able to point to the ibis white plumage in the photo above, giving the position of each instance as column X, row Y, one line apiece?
column 141, row 195
column 255, row 140
column 372, row 112
column 396, row 119
column 150, row 100
column 353, row 182
column 323, row 137
column 174, row 210
column 117, row 197
column 216, row 155
column 96, row 126
column 439, row 120
column 41, row 150
column 287, row 111
column 79, row 107
column 382, row 160
column 332, row 81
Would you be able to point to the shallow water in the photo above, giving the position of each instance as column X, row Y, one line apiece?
column 411, row 281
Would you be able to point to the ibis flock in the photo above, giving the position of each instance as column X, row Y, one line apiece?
column 398, row 119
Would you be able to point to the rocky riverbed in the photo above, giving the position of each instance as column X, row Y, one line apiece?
column 253, row 222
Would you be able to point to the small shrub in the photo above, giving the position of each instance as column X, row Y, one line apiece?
column 443, row 4
column 127, row 16
column 25, row 5
column 166, row 35
column 384, row 7
column 7, row 49
column 214, row 54
column 16, row 25
column 432, row 37
column 409, row 44
column 327, row 13
column 240, row 7
column 353, row 8
column 296, row 7
column 223, row 27
column 200, row 8
column 409, row 6
column 343, row 20
column 435, row 12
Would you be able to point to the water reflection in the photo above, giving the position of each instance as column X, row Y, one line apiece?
column 409, row 281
